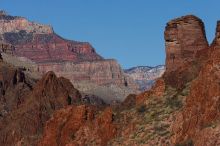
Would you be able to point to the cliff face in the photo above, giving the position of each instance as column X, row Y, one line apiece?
column 185, row 46
column 99, row 72
column 40, row 43
column 183, row 106
column 15, row 24
column 74, row 60
column 199, row 120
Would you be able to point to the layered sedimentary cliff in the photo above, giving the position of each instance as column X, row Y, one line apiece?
column 77, row 61
column 185, row 46
column 100, row 72
column 40, row 43
column 15, row 24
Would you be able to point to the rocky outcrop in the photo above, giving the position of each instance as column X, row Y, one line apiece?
column 15, row 24
column 145, row 76
column 193, row 106
column 157, row 90
column 186, row 46
column 14, row 87
column 25, row 105
column 79, row 126
column 40, row 43
column 199, row 120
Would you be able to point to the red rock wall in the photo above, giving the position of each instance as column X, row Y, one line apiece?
column 185, row 40
column 79, row 126
column 199, row 120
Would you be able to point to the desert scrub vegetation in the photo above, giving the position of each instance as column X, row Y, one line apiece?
column 174, row 102
column 186, row 90
column 141, row 108
column 161, row 129
column 188, row 142
column 151, row 119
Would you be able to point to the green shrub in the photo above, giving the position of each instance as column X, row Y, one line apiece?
column 186, row 143
column 141, row 109
column 174, row 102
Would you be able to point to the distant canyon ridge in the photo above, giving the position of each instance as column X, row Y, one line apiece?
column 145, row 76
column 40, row 49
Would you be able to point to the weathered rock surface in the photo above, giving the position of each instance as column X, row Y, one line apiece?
column 186, row 46
column 25, row 105
column 99, row 72
column 193, row 106
column 199, row 120
column 79, row 126
column 157, row 90
column 15, row 24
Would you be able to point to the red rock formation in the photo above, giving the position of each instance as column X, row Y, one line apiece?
column 39, row 42
column 157, row 90
column 79, row 126
column 185, row 43
column 199, row 120
column 24, row 111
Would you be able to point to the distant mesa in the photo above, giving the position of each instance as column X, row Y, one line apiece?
column 145, row 76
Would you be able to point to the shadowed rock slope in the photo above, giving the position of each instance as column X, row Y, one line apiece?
column 25, row 106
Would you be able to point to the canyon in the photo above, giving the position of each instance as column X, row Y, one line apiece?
column 47, row 51
column 40, row 107
column 182, row 106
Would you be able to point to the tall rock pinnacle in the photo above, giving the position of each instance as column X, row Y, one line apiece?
column 185, row 38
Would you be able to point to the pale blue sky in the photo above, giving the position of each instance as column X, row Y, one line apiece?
column 131, row 31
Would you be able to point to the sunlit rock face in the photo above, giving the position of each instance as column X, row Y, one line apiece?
column 77, row 61
column 40, row 43
column 15, row 24
column 80, row 125
column 199, row 120
column 186, row 44
column 103, row 72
